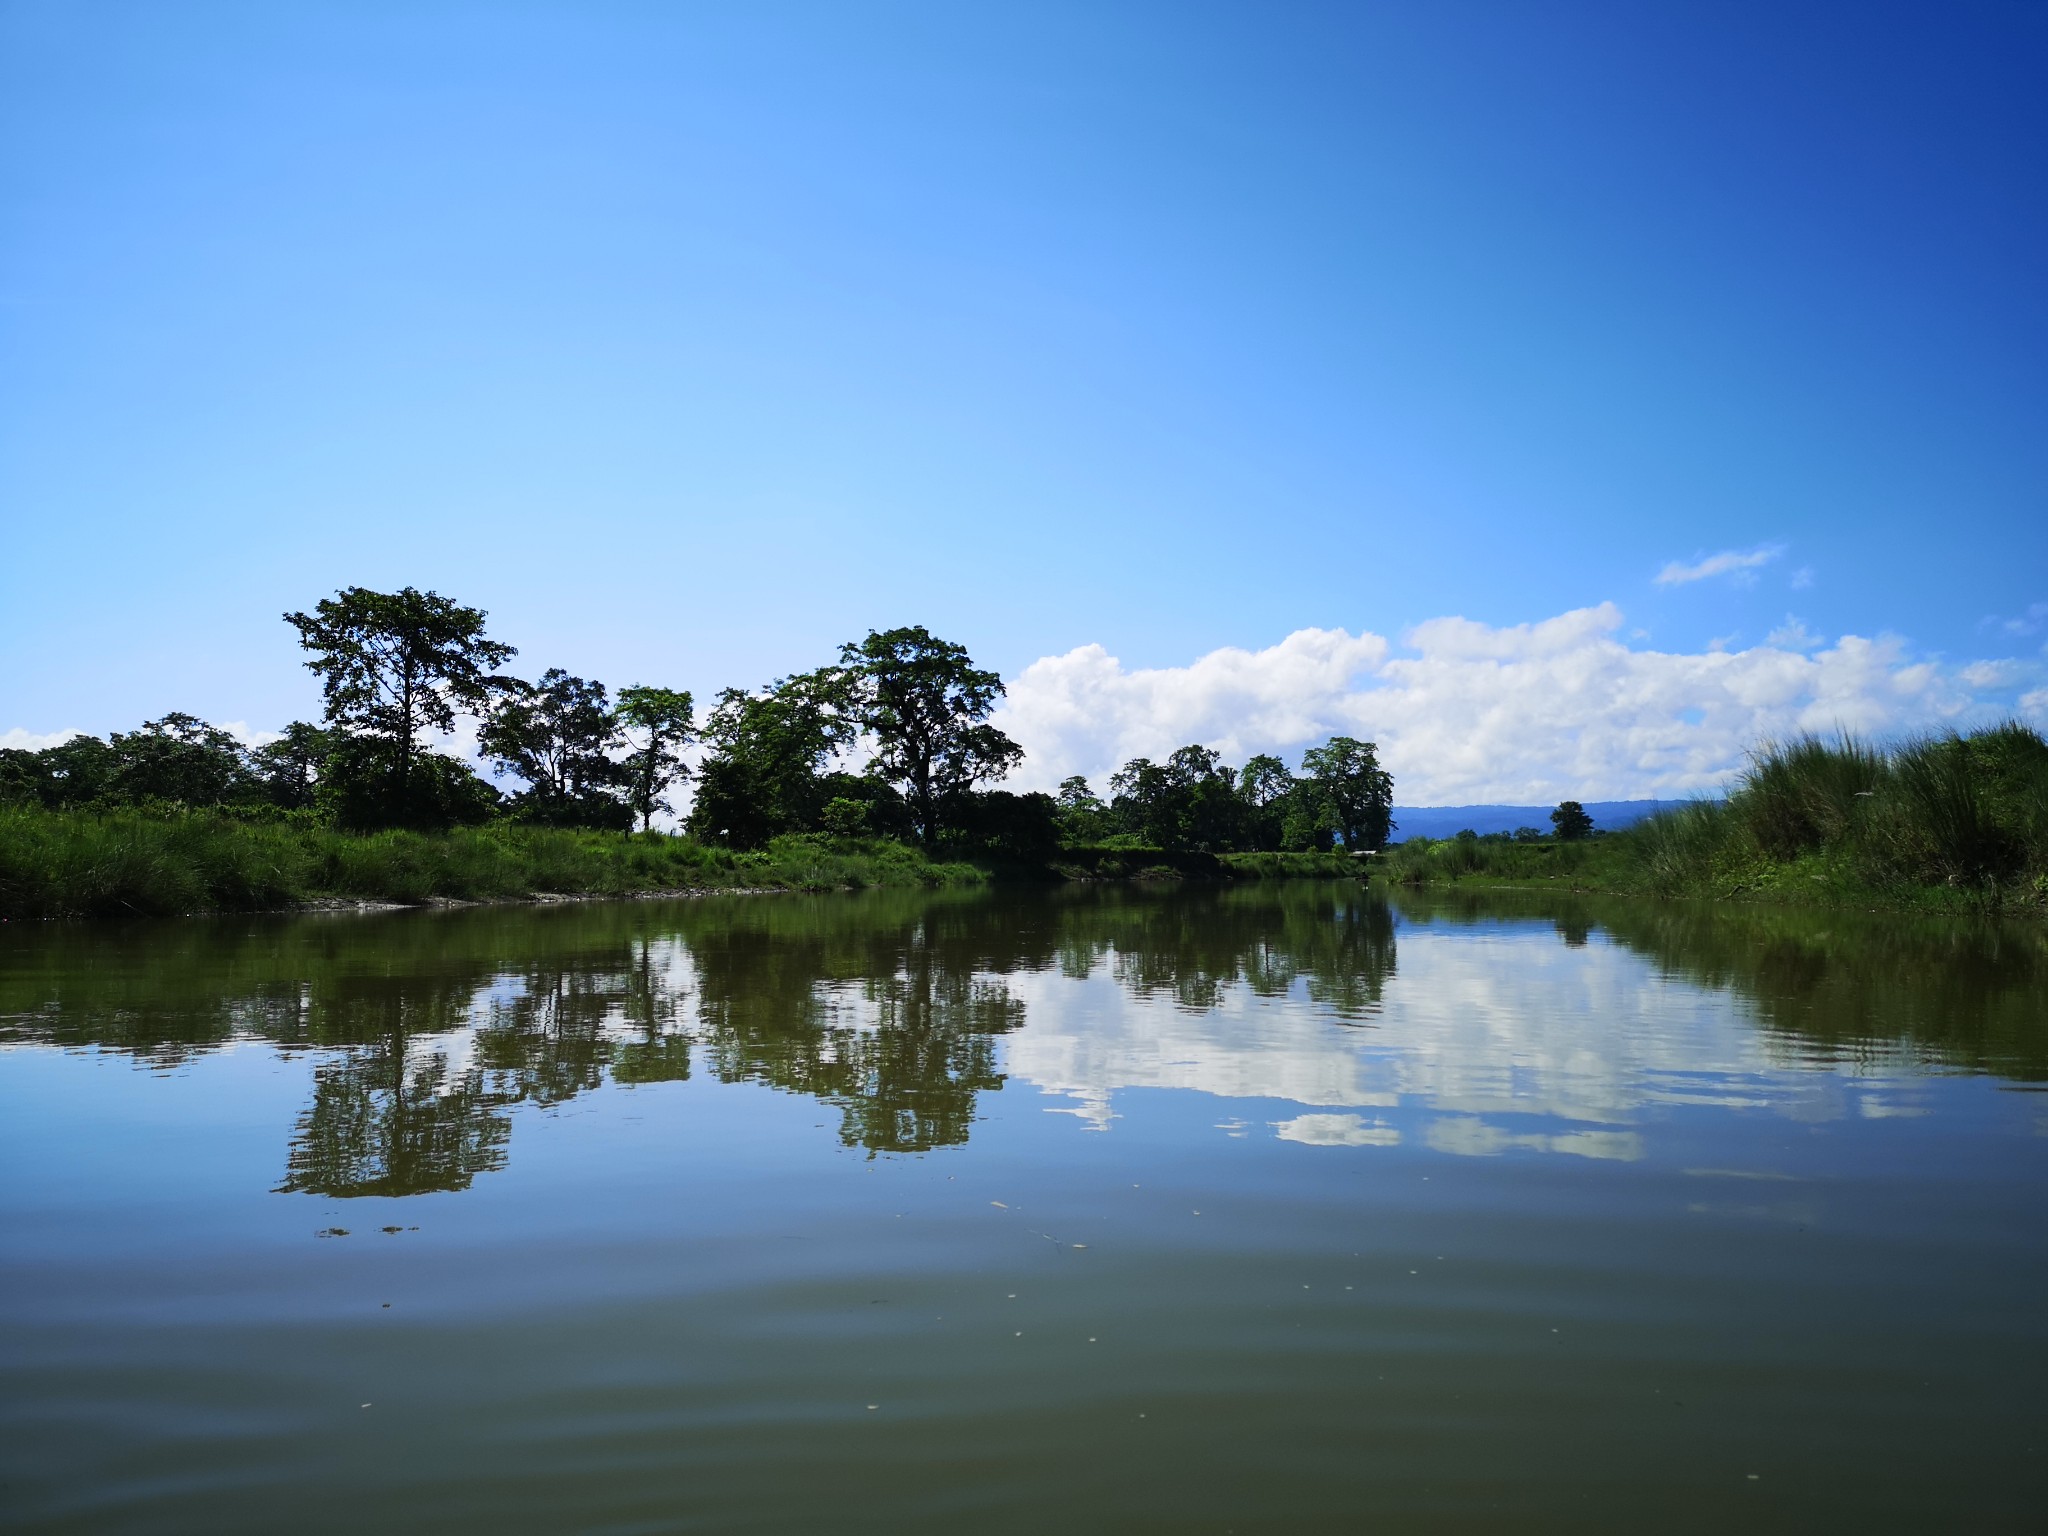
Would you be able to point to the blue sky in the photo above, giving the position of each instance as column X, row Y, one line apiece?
column 693, row 340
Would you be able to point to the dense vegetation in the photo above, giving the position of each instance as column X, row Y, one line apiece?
column 876, row 769
column 881, row 768
column 1939, row 821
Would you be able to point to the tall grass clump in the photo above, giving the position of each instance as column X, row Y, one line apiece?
column 1965, row 815
column 126, row 863
column 121, row 863
column 1800, row 795
column 1963, row 810
column 1677, row 850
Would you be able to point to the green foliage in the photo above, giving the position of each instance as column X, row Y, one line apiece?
column 764, row 774
column 1941, row 822
column 1571, row 822
column 927, row 705
column 1188, row 801
column 1268, row 792
column 393, row 666
column 558, row 736
column 114, row 863
column 1358, row 792
column 362, row 789
column 1801, row 794
column 180, row 759
column 1083, row 818
column 1008, row 828
column 287, row 771
column 658, row 724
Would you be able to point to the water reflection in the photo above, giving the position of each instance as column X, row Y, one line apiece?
column 1511, row 1025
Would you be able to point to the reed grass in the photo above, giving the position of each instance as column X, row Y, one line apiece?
column 126, row 863
column 1945, row 820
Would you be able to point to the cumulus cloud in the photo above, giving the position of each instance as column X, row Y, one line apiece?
column 1337, row 1131
column 1730, row 562
column 19, row 740
column 1466, row 712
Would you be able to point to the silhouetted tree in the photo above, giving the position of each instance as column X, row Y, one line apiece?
column 393, row 666
column 179, row 758
column 1571, row 821
column 764, row 773
column 926, row 704
column 558, row 737
column 657, row 724
column 288, row 771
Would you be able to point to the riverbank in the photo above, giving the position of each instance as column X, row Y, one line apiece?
column 1945, row 824
column 56, row 864
column 1638, row 862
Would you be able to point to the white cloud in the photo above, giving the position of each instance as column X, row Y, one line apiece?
column 248, row 736
column 30, row 741
column 1083, row 713
column 1337, row 1131
column 1802, row 578
column 1793, row 635
column 1730, row 562
column 1993, row 674
column 19, row 740
column 1467, row 712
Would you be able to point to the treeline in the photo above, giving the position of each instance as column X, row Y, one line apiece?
column 397, row 669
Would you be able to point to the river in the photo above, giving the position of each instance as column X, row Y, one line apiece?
column 1277, row 1207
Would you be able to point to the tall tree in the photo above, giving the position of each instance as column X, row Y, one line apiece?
column 395, row 665
column 288, row 770
column 179, row 758
column 1359, row 792
column 1264, row 785
column 1571, row 821
column 926, row 704
column 1188, row 801
column 558, row 735
column 1083, row 818
column 764, row 773
column 658, row 725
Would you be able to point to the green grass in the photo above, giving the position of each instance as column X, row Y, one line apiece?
column 1937, row 823
column 114, row 863
column 111, row 863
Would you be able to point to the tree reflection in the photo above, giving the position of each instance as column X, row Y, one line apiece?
column 379, row 1125
column 428, row 1029
column 1824, row 985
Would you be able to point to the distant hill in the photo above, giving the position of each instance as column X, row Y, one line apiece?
column 1450, row 820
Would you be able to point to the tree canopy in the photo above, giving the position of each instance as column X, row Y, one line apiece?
column 657, row 724
column 1358, row 792
column 893, row 740
column 558, row 736
column 764, row 773
column 393, row 666
column 1571, row 821
column 926, row 704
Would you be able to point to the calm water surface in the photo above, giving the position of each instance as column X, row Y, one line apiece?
column 1264, row 1209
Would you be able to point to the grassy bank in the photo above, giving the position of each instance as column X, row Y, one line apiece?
column 105, row 863
column 1950, row 823
column 110, row 863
